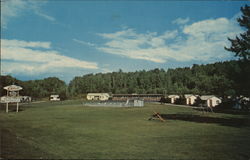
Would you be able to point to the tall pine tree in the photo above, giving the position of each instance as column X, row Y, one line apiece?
column 241, row 44
column 241, row 47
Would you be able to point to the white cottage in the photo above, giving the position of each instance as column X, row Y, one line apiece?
column 190, row 99
column 98, row 96
column 241, row 101
column 54, row 98
column 173, row 98
column 210, row 100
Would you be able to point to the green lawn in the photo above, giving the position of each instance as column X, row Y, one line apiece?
column 69, row 130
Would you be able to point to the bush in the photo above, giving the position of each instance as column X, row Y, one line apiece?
column 181, row 100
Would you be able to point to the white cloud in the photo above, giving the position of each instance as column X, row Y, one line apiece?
column 125, row 33
column 15, row 8
column 181, row 21
column 45, row 16
column 36, row 57
column 24, row 44
column 200, row 41
column 211, row 26
column 83, row 42
column 10, row 9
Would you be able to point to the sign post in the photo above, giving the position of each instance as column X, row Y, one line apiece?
column 17, row 105
column 12, row 96
column 7, row 107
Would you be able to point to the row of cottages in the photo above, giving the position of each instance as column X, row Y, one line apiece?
column 208, row 100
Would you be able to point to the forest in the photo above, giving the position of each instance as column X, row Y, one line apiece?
column 229, row 78
column 221, row 78
column 36, row 88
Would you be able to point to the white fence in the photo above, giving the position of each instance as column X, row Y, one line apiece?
column 128, row 103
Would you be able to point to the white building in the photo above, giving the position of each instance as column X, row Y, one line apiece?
column 54, row 98
column 138, row 103
column 190, row 99
column 173, row 98
column 241, row 101
column 98, row 96
column 210, row 100
column 25, row 99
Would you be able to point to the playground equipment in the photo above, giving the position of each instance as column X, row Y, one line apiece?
column 156, row 115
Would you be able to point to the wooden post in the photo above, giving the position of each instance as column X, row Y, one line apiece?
column 17, row 105
column 7, row 107
column 159, row 116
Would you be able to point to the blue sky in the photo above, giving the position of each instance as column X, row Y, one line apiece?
column 69, row 38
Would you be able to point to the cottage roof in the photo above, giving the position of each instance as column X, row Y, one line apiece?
column 173, row 96
column 55, row 95
column 189, row 95
column 97, row 94
column 206, row 97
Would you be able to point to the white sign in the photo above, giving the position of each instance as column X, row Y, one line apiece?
column 6, row 99
column 13, row 88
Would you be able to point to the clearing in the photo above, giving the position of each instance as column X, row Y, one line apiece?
column 67, row 130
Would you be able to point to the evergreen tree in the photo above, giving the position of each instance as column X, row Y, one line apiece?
column 241, row 47
column 241, row 44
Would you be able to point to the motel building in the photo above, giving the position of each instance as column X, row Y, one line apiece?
column 145, row 97
column 98, row 96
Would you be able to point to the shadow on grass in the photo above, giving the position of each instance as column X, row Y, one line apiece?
column 11, row 110
column 232, row 111
column 233, row 122
column 12, row 147
column 226, row 111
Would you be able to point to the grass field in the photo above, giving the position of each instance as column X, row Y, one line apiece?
column 72, row 131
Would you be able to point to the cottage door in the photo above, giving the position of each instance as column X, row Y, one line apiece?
column 210, row 103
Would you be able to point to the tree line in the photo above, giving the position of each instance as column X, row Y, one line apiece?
column 36, row 88
column 221, row 79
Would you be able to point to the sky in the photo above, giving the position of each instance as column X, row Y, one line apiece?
column 68, row 38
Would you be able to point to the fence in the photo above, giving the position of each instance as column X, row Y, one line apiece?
column 128, row 103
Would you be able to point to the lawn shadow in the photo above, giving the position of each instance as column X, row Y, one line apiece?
column 232, row 111
column 233, row 122
column 13, row 147
column 226, row 111
column 11, row 108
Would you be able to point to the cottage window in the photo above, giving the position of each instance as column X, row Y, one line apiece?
column 217, row 102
